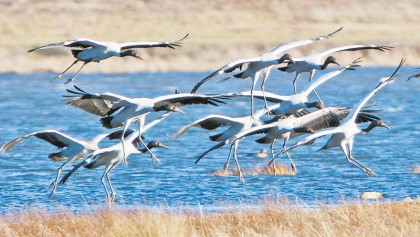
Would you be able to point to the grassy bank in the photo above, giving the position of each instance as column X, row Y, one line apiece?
column 274, row 219
column 220, row 31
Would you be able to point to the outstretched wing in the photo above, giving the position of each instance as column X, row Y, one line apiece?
column 230, row 67
column 100, row 104
column 54, row 137
column 309, row 139
column 76, row 43
column 172, row 45
column 255, row 130
column 382, row 48
column 188, row 99
column 319, row 81
column 113, row 135
column 385, row 81
column 209, row 122
column 269, row 96
column 279, row 49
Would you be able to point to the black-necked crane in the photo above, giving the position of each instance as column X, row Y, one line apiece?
column 117, row 110
column 343, row 135
column 254, row 130
column 75, row 149
column 235, row 125
column 87, row 50
column 314, row 62
column 292, row 126
column 261, row 65
column 291, row 103
column 112, row 156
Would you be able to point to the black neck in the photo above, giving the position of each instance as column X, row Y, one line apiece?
column 323, row 66
column 143, row 150
column 369, row 128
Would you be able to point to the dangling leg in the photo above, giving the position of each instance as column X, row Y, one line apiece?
column 265, row 76
column 294, row 82
column 365, row 169
column 53, row 185
column 112, row 197
column 273, row 162
column 74, row 76
column 103, row 182
column 288, row 156
column 235, row 147
column 126, row 125
column 228, row 160
column 254, row 81
column 61, row 74
column 317, row 96
column 345, row 149
column 141, row 124
column 311, row 76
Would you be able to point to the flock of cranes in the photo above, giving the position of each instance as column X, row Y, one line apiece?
column 291, row 115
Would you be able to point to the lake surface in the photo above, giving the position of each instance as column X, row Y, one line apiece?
column 31, row 102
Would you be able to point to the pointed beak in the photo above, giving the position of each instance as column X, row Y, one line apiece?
column 178, row 110
column 136, row 56
column 385, row 126
column 335, row 62
column 163, row 146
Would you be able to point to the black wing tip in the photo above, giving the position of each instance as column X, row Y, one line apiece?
column 326, row 36
column 394, row 74
column 198, row 159
column 178, row 43
column 194, row 90
column 354, row 64
column 384, row 48
column 332, row 34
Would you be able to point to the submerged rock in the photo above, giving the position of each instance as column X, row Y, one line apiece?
column 415, row 169
column 371, row 195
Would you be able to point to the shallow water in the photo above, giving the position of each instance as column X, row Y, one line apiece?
column 31, row 102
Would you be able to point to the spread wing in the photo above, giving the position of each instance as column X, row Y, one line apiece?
column 188, row 99
column 255, row 130
column 172, row 45
column 99, row 104
column 279, row 49
column 230, row 67
column 320, row 80
column 54, row 137
column 269, row 96
column 309, row 139
column 385, row 81
column 209, row 122
column 76, row 43
column 382, row 48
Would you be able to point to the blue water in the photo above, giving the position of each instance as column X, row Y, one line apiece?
column 31, row 102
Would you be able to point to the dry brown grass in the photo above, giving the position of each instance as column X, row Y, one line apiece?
column 220, row 31
column 273, row 219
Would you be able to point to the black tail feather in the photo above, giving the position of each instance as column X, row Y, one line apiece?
column 76, row 52
column 106, row 121
column 239, row 75
column 262, row 140
column 215, row 137
column 283, row 69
